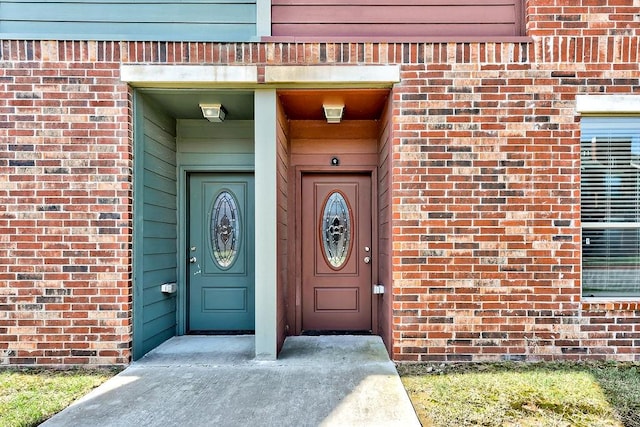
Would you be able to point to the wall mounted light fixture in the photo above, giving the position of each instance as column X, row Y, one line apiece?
column 213, row 112
column 333, row 113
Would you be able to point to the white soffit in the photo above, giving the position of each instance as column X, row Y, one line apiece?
column 333, row 74
column 608, row 104
column 192, row 75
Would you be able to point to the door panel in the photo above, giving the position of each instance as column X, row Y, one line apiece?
column 336, row 241
column 221, row 253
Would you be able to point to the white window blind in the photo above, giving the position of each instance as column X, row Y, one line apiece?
column 610, row 206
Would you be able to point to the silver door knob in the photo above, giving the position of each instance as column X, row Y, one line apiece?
column 367, row 259
column 193, row 260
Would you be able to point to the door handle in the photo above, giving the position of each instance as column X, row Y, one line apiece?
column 193, row 260
column 367, row 260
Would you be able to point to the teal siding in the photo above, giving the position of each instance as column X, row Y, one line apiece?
column 155, row 246
column 225, row 145
column 162, row 20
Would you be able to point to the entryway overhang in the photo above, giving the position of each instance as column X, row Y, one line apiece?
column 332, row 75
column 275, row 76
column 188, row 76
column 300, row 90
column 303, row 90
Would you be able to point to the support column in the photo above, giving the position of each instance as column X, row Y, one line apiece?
column 266, row 223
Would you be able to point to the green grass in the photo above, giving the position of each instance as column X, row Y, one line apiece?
column 30, row 396
column 511, row 394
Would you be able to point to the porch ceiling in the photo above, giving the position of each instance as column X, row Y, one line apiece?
column 298, row 104
column 360, row 104
column 185, row 103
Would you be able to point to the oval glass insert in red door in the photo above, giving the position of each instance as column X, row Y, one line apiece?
column 335, row 229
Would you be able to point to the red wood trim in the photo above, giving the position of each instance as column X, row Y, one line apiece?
column 375, row 247
column 521, row 19
column 392, row 2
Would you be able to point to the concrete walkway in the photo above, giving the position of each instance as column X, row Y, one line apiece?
column 214, row 381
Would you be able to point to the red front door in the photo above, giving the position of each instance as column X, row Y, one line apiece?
column 336, row 252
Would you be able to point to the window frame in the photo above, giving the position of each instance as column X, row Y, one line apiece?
column 617, row 127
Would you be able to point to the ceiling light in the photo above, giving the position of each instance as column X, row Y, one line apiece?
column 333, row 113
column 213, row 112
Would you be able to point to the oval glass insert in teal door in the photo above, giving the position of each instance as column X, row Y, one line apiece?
column 225, row 228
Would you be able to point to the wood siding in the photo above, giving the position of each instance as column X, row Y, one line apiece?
column 222, row 146
column 315, row 142
column 284, row 226
column 385, row 258
column 156, row 231
column 392, row 18
column 162, row 20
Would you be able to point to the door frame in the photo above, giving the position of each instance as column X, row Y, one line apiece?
column 295, row 274
column 182, row 300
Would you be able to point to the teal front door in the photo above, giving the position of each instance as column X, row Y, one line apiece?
column 220, row 253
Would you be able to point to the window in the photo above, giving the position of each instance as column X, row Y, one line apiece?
column 610, row 206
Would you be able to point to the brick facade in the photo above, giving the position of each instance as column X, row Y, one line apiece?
column 65, row 206
column 487, row 209
column 485, row 188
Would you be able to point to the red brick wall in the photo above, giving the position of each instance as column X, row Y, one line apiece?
column 487, row 203
column 583, row 18
column 65, row 206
